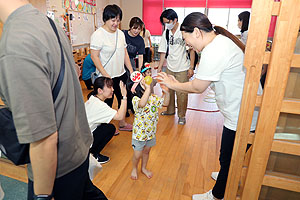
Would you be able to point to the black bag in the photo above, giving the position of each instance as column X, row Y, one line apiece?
column 9, row 143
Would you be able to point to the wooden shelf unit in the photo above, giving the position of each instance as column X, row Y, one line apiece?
column 279, row 106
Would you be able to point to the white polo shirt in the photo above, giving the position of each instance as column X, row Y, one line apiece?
column 106, row 42
column 177, row 60
column 222, row 63
column 98, row 112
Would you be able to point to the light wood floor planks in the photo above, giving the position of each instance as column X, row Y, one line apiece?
column 181, row 161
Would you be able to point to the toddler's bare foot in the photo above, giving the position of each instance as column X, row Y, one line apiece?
column 148, row 173
column 134, row 174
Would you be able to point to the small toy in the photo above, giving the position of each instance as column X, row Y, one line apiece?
column 136, row 76
column 148, row 80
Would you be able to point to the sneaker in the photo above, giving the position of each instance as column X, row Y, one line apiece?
column 214, row 175
column 116, row 133
column 181, row 121
column 102, row 158
column 206, row 196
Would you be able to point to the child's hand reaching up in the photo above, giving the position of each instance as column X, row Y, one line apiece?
column 146, row 94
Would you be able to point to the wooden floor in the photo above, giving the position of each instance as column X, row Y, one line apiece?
column 181, row 161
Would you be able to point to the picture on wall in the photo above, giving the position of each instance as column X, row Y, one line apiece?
column 86, row 6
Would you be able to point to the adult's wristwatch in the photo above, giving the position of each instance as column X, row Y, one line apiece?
column 124, row 97
column 42, row 197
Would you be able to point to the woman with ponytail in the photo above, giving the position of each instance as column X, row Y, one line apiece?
column 99, row 114
column 221, row 67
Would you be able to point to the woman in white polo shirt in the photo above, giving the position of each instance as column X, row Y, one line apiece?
column 109, row 53
column 221, row 67
column 99, row 115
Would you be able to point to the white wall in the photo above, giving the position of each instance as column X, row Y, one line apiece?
column 41, row 5
column 58, row 6
column 100, row 4
column 131, row 8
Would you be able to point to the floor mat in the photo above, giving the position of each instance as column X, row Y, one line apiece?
column 13, row 189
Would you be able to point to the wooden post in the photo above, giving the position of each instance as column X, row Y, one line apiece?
column 254, row 57
column 68, row 24
column 272, row 103
column 281, row 58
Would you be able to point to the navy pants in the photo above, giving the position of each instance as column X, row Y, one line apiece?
column 75, row 185
column 227, row 143
column 147, row 55
column 224, row 158
column 102, row 135
column 88, row 83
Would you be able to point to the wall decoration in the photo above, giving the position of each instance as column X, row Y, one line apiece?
column 86, row 6
column 80, row 6
column 73, row 5
column 66, row 4
column 50, row 14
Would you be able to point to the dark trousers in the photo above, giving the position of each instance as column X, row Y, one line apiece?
column 117, row 92
column 227, row 143
column 147, row 55
column 225, row 158
column 263, row 80
column 102, row 135
column 88, row 84
column 75, row 185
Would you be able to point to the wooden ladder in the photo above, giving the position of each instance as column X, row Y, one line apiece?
column 248, row 171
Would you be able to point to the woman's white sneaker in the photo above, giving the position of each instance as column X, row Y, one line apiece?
column 214, row 175
column 206, row 196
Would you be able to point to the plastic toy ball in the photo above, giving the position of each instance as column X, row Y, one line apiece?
column 148, row 80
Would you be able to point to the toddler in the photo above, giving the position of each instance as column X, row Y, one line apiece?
column 145, row 106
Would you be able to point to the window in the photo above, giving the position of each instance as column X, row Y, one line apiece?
column 218, row 16
column 190, row 10
column 224, row 17
column 183, row 12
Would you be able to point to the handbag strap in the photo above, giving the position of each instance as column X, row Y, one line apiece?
column 114, row 50
column 168, row 44
column 60, row 78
